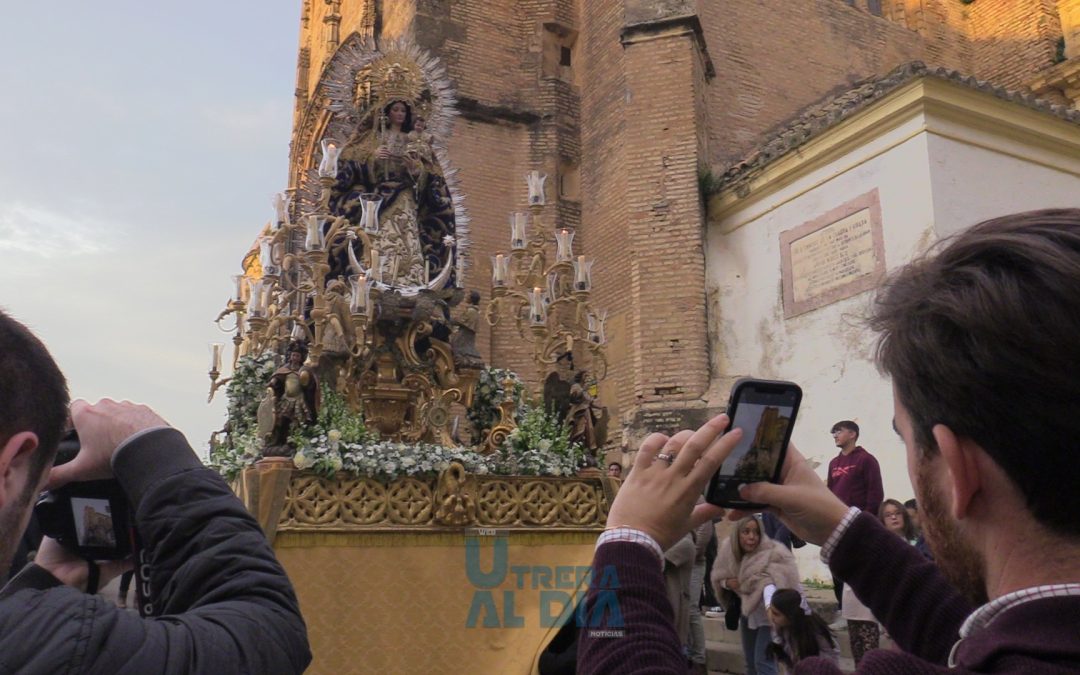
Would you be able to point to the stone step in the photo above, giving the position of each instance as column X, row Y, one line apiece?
column 726, row 657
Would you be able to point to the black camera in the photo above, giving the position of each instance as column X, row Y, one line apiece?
column 90, row 518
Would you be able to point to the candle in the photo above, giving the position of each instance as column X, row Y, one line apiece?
column 564, row 242
column 582, row 274
column 266, row 256
column 369, row 212
column 215, row 357
column 360, row 290
column 316, row 238
column 498, row 270
column 537, row 310
column 238, row 279
column 376, row 265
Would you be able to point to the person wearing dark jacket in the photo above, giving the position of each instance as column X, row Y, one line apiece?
column 980, row 343
column 221, row 603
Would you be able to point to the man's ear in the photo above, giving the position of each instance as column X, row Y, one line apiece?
column 15, row 464
column 964, row 479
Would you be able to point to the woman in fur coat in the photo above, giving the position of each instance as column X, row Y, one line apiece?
column 753, row 566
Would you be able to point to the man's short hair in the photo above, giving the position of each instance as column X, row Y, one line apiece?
column 33, row 392
column 984, row 337
column 845, row 424
column 911, row 504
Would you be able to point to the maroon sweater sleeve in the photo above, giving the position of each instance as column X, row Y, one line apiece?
column 627, row 625
column 875, row 493
column 897, row 583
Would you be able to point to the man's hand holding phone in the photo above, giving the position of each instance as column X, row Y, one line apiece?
column 800, row 499
column 669, row 474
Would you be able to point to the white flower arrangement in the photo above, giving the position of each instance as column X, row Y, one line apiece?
column 339, row 442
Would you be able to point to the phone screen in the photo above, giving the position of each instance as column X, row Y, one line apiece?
column 764, row 429
column 765, row 411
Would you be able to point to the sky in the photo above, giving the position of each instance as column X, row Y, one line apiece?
column 140, row 145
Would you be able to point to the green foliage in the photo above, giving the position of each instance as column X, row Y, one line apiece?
column 540, row 445
column 817, row 585
column 246, row 389
column 1059, row 50
column 340, row 442
column 244, row 392
column 490, row 392
column 334, row 416
column 708, row 183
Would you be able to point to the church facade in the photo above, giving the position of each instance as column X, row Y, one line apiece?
column 664, row 127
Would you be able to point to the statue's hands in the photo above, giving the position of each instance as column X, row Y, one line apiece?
column 382, row 152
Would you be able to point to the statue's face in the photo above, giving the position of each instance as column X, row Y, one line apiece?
column 398, row 113
column 420, row 124
column 295, row 360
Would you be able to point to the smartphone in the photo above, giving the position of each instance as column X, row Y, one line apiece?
column 765, row 411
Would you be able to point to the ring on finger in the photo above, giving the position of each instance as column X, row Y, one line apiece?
column 669, row 458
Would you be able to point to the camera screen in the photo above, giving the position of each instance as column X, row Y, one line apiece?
column 93, row 522
column 764, row 428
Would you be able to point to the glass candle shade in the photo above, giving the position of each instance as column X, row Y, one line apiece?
column 500, row 269
column 328, row 166
column 316, row 237
column 215, row 357
column 369, row 212
column 517, row 230
column 537, row 307
column 582, row 274
column 241, row 288
column 564, row 246
column 360, row 294
column 266, row 257
column 597, row 321
column 535, row 179
column 257, row 298
column 281, row 209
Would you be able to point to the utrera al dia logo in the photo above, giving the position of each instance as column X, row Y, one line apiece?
column 562, row 591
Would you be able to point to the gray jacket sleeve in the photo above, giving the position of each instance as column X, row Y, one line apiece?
column 222, row 602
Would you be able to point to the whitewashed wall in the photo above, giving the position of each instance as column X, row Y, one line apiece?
column 929, row 186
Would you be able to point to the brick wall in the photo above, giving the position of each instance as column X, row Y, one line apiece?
column 604, row 185
column 664, row 219
column 630, row 125
column 774, row 58
column 1013, row 39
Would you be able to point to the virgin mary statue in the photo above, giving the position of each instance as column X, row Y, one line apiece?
column 390, row 158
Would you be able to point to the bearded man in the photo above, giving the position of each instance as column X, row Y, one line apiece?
column 981, row 341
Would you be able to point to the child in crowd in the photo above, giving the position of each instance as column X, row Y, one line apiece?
column 798, row 633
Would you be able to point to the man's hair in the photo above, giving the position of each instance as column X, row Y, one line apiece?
column 33, row 393
column 845, row 424
column 984, row 337
column 911, row 504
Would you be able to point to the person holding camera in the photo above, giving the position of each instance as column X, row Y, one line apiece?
column 219, row 601
column 981, row 343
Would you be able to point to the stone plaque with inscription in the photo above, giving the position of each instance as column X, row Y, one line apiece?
column 670, row 420
column 835, row 256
